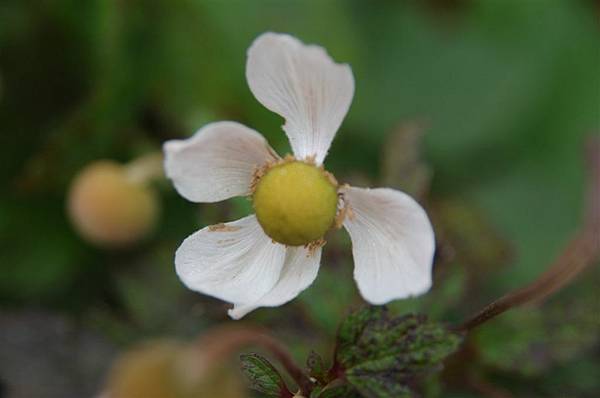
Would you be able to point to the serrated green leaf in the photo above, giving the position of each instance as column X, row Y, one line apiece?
column 263, row 377
column 379, row 353
column 375, row 385
column 351, row 329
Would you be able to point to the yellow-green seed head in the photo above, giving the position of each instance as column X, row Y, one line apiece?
column 295, row 203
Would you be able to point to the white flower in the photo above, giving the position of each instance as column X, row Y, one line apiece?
column 295, row 199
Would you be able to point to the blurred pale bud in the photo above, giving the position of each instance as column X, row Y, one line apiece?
column 112, row 205
column 147, row 371
column 160, row 370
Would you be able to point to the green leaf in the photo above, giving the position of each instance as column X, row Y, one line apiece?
column 352, row 328
column 379, row 385
column 263, row 377
column 378, row 354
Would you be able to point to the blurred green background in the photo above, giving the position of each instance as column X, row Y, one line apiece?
column 502, row 92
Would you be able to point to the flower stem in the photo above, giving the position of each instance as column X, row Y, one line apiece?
column 582, row 251
column 145, row 168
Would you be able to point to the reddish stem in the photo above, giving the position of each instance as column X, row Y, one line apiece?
column 580, row 252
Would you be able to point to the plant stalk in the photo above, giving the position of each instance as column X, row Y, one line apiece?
column 582, row 251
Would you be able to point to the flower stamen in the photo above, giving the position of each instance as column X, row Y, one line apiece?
column 314, row 246
column 222, row 227
column 344, row 211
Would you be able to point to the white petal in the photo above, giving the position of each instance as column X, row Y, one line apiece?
column 305, row 86
column 235, row 262
column 217, row 162
column 299, row 272
column 392, row 243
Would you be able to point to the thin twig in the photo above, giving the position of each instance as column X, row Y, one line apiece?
column 223, row 341
column 582, row 250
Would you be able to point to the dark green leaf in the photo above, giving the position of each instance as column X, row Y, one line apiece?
column 379, row 385
column 263, row 377
column 352, row 328
column 379, row 354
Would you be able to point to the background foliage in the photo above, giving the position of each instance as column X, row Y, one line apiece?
column 501, row 92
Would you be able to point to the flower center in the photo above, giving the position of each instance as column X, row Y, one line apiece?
column 295, row 202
